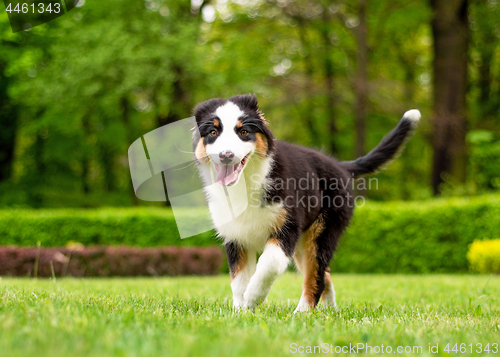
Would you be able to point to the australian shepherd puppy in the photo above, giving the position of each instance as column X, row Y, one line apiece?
column 300, row 201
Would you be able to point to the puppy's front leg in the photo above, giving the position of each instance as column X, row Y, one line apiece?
column 242, row 267
column 272, row 263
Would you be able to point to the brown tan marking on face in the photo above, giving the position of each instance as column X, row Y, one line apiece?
column 261, row 144
column 201, row 153
column 306, row 254
column 239, row 124
column 217, row 123
column 242, row 262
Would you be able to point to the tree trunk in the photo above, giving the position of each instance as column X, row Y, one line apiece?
column 37, row 181
column 124, row 107
column 107, row 155
column 86, row 161
column 180, row 105
column 361, row 84
column 329, row 81
column 485, row 42
column 451, row 34
column 485, row 79
column 8, row 128
column 308, row 108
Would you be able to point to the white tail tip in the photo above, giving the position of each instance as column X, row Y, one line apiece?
column 413, row 115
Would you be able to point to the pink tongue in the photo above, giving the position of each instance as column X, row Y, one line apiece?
column 227, row 175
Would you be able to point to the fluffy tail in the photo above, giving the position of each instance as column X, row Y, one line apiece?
column 387, row 150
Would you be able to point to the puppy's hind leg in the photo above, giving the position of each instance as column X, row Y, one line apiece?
column 306, row 258
column 317, row 246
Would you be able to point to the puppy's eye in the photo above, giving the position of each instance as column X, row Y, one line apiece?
column 213, row 133
column 243, row 133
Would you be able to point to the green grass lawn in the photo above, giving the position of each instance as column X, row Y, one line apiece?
column 192, row 316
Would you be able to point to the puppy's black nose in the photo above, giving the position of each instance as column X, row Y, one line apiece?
column 226, row 157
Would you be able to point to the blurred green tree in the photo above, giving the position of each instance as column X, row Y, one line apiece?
column 76, row 92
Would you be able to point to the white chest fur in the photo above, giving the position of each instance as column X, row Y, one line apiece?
column 252, row 228
column 237, row 211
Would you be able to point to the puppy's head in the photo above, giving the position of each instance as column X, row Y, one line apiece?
column 230, row 133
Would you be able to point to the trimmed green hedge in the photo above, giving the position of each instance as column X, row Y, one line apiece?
column 395, row 237
column 417, row 237
column 140, row 227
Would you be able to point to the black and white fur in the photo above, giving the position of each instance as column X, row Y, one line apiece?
column 233, row 140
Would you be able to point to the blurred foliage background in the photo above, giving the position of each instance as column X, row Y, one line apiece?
column 335, row 75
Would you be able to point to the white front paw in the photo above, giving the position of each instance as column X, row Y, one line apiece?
column 250, row 305
column 253, row 300
column 238, row 303
column 302, row 308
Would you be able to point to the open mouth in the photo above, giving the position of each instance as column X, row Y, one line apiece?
column 227, row 175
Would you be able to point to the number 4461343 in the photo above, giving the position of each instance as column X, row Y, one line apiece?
column 32, row 8
column 478, row 348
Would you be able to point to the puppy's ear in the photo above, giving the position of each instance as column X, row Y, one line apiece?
column 246, row 101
